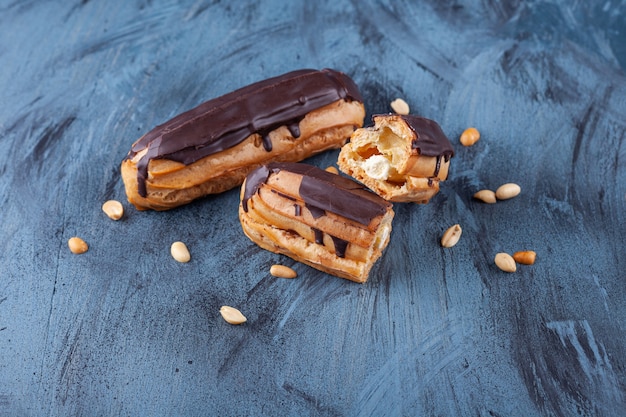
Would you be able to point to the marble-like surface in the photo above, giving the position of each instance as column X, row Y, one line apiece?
column 125, row 330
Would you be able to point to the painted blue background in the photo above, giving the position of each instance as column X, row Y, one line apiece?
column 125, row 330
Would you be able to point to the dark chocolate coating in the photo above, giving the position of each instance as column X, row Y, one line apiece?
column 226, row 121
column 431, row 141
column 323, row 191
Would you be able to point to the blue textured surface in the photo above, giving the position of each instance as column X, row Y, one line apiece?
column 125, row 330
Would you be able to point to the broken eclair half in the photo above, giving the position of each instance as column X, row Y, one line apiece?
column 321, row 219
column 401, row 157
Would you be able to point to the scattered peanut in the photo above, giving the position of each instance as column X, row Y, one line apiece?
column 332, row 170
column 282, row 271
column 451, row 236
column 469, row 136
column 77, row 245
column 505, row 262
column 113, row 209
column 400, row 106
column 508, row 190
column 525, row 257
column 232, row 315
column 180, row 252
column 486, row 196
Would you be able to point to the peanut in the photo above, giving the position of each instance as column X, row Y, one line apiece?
column 113, row 209
column 525, row 257
column 486, row 196
column 77, row 245
column 469, row 136
column 400, row 106
column 332, row 170
column 505, row 262
column 232, row 315
column 282, row 271
column 451, row 236
column 508, row 190
column 180, row 252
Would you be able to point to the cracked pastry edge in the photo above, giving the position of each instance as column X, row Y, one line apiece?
column 386, row 158
column 276, row 240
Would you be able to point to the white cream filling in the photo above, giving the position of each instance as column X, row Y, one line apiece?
column 377, row 167
column 382, row 236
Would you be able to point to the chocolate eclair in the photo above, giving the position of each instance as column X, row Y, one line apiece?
column 402, row 157
column 212, row 147
column 322, row 219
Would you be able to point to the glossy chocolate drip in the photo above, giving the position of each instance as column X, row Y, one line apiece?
column 254, row 181
column 298, row 209
column 340, row 246
column 315, row 211
column 437, row 166
column 226, row 121
column 267, row 142
column 431, row 141
column 319, row 236
column 294, row 129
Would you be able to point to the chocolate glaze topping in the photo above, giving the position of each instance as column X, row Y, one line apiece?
column 323, row 192
column 226, row 121
column 340, row 246
column 254, row 180
column 319, row 236
column 431, row 141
